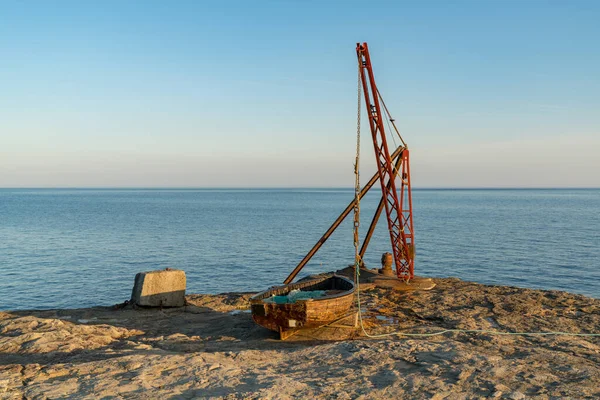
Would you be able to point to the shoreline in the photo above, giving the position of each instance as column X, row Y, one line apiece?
column 212, row 349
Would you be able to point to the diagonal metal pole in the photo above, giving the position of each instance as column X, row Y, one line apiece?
column 338, row 221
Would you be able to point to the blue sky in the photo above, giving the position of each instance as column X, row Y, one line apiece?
column 263, row 94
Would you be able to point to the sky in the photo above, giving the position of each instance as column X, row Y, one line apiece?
column 264, row 93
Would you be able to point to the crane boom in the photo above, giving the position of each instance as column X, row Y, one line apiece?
column 398, row 211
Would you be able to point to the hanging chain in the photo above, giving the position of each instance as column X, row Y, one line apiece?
column 357, row 260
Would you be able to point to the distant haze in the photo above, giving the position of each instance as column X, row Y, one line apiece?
column 195, row 94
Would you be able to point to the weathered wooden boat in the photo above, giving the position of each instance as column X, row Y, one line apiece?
column 283, row 308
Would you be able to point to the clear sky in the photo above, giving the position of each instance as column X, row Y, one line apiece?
column 263, row 93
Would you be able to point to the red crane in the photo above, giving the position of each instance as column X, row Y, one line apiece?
column 398, row 212
column 398, row 205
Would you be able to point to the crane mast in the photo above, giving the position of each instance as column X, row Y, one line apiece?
column 398, row 206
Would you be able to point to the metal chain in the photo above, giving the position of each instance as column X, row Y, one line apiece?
column 357, row 261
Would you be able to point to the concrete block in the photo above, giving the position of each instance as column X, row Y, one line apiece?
column 164, row 288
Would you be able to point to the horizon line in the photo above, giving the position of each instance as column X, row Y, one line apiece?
column 289, row 188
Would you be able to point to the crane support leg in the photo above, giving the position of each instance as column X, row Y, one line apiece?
column 407, row 216
column 367, row 239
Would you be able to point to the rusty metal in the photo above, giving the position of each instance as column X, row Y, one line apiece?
column 397, row 218
column 336, row 223
column 407, row 215
column 377, row 214
column 387, row 259
column 398, row 211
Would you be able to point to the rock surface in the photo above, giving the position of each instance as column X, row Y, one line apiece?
column 164, row 288
column 212, row 349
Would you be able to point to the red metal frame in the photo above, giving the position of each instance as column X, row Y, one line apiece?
column 399, row 218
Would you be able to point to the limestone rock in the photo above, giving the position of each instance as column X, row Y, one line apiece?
column 164, row 288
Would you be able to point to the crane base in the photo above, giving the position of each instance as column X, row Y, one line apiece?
column 417, row 283
column 371, row 278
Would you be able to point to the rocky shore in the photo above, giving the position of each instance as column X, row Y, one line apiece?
column 212, row 349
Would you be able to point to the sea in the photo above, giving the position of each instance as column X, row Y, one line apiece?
column 73, row 248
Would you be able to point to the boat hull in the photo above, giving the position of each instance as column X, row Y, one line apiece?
column 303, row 314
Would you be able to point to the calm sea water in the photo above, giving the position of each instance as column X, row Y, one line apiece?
column 79, row 248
